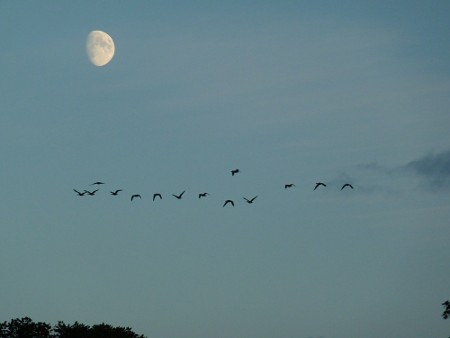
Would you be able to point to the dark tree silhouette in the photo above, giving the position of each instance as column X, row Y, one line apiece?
column 62, row 330
column 107, row 331
column 26, row 328
column 446, row 312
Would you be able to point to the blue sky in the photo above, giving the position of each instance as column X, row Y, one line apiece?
column 293, row 92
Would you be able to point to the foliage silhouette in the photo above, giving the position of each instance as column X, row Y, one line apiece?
column 26, row 328
column 446, row 312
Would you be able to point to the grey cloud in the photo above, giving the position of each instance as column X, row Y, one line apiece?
column 373, row 167
column 430, row 172
column 434, row 169
column 341, row 179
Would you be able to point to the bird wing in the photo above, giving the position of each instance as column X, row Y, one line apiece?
column 318, row 184
column 228, row 201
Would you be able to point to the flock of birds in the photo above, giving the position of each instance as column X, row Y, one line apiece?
column 200, row 195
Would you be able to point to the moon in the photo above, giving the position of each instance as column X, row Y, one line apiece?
column 100, row 48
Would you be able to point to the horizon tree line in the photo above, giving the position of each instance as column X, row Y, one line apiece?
column 26, row 328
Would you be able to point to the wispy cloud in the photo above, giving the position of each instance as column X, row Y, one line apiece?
column 373, row 166
column 368, row 178
column 434, row 169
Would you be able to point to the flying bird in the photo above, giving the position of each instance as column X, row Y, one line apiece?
column 234, row 171
column 115, row 193
column 135, row 196
column 228, row 201
column 319, row 184
column 157, row 195
column 347, row 185
column 204, row 194
column 97, row 183
column 79, row 193
column 289, row 185
column 90, row 193
column 251, row 200
column 179, row 196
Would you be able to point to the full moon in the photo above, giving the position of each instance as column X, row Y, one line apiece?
column 100, row 48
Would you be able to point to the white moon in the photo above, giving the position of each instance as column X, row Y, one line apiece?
column 100, row 48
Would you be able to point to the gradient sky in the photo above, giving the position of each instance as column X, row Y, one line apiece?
column 288, row 92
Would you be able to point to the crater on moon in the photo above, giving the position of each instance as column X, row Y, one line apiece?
column 100, row 48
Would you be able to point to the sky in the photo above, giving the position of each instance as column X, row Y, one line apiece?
column 288, row 92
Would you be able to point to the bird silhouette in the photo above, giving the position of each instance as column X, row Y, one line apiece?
column 319, row 184
column 204, row 194
column 79, row 193
column 179, row 196
column 135, row 196
column 251, row 200
column 157, row 195
column 234, row 172
column 115, row 193
column 97, row 183
column 228, row 201
column 289, row 185
column 91, row 193
column 347, row 185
